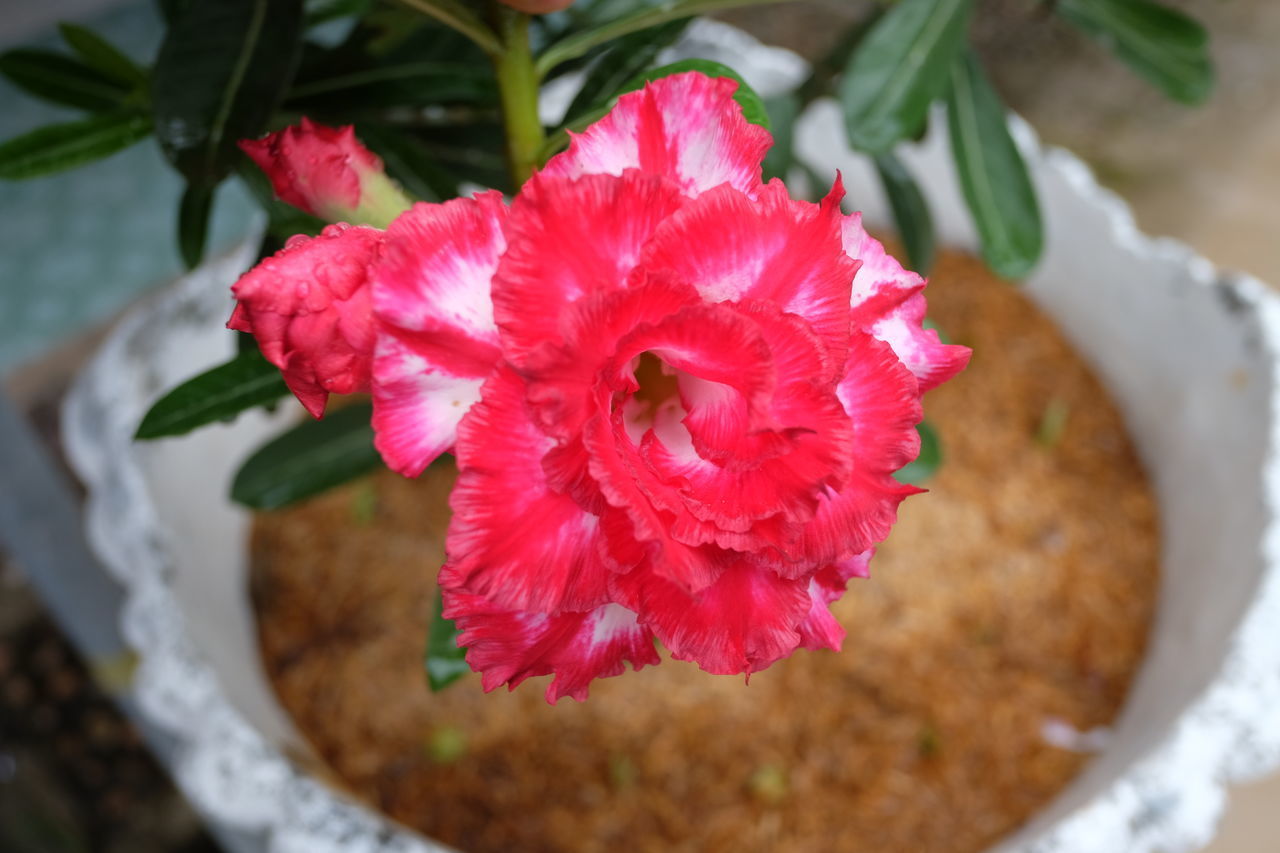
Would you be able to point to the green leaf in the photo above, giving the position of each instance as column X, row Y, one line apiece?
column 308, row 459
column 61, row 79
column 626, row 58
column 403, row 84
column 100, row 54
column 193, row 223
column 445, row 662
column 752, row 106
column 927, row 463
column 783, row 111
column 222, row 69
column 992, row 174
column 910, row 211
column 58, row 147
column 899, row 68
column 1162, row 45
column 218, row 394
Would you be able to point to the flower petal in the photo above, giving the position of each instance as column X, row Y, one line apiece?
column 513, row 539
column 733, row 247
column 438, row 340
column 686, row 127
column 888, row 302
column 742, row 623
column 507, row 646
column 568, row 239
column 819, row 629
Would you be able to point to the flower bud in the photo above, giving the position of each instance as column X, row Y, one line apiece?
column 326, row 172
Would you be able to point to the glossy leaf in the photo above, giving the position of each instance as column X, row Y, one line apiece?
column 899, row 68
column 61, row 79
column 310, row 458
column 1160, row 44
column 626, row 58
column 910, row 211
column 222, row 69
column 58, row 147
column 405, row 84
column 218, row 394
column 445, row 662
column 753, row 109
column 992, row 173
column 101, row 55
column 924, row 466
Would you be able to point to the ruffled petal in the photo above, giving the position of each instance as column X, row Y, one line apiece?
column 438, row 340
column 888, row 301
column 309, row 308
column 920, row 349
column 686, row 127
column 819, row 629
column 507, row 646
column 742, row 623
column 773, row 249
column 513, row 539
column 568, row 239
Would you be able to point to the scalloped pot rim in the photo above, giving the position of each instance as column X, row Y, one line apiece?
column 1165, row 331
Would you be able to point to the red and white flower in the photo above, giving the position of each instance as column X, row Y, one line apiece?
column 677, row 397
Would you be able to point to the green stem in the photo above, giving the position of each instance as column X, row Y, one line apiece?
column 579, row 43
column 453, row 14
column 518, row 88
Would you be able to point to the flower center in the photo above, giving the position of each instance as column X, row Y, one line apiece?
column 657, row 381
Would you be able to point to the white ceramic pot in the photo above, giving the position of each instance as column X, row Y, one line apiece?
column 1189, row 354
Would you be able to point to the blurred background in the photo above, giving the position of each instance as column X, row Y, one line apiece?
column 79, row 248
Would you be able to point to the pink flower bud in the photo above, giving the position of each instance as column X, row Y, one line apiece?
column 328, row 173
column 309, row 307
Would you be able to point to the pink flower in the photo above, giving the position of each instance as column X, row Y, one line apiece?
column 677, row 397
column 326, row 172
column 309, row 308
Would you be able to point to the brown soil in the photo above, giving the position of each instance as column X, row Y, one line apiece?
column 1018, row 591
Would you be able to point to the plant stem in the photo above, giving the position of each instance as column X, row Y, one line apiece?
column 579, row 43
column 518, row 88
column 453, row 14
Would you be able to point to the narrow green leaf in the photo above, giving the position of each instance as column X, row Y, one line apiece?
column 193, row 223
column 58, row 147
column 61, row 79
column 100, row 54
column 402, row 84
column 752, row 105
column 308, row 459
column 445, row 662
column 993, row 176
column 626, row 58
column 222, row 69
column 910, row 211
column 1160, row 44
column 927, row 463
column 783, row 112
column 218, row 394
column 899, row 68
